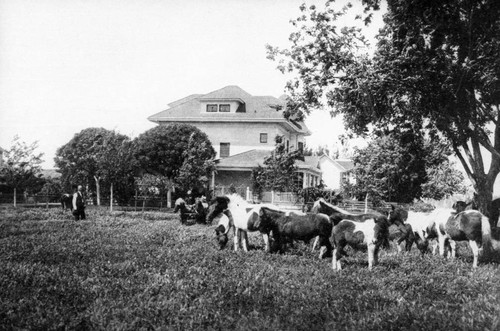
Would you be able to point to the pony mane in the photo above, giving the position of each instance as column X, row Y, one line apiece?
column 335, row 208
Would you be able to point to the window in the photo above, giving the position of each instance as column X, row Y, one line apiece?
column 263, row 138
column 211, row 108
column 224, row 150
column 225, row 108
column 301, row 146
column 287, row 146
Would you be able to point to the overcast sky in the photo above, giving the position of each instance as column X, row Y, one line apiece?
column 69, row 65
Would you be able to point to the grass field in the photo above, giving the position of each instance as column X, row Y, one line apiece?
column 135, row 271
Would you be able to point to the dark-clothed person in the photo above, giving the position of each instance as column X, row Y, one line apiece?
column 79, row 204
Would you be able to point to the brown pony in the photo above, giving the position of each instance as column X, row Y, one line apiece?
column 287, row 227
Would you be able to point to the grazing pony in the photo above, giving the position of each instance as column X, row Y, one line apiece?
column 67, row 201
column 468, row 225
column 355, row 230
column 242, row 217
column 287, row 227
column 421, row 227
column 223, row 225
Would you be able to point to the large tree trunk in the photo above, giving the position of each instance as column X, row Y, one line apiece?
column 473, row 163
column 98, row 189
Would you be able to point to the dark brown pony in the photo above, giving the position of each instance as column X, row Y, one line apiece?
column 288, row 227
column 66, row 201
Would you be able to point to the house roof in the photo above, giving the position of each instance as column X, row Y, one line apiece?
column 251, row 109
column 345, row 164
column 253, row 158
column 50, row 173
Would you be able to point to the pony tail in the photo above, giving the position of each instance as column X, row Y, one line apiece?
column 486, row 239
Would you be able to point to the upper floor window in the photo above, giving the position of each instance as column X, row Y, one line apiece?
column 263, row 138
column 211, row 108
column 224, row 108
column 224, row 149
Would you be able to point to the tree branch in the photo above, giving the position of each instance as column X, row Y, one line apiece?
column 464, row 164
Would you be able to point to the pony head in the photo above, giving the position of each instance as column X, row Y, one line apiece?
column 178, row 204
column 223, row 225
column 216, row 207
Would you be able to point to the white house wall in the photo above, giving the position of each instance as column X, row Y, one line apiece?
column 241, row 136
column 331, row 174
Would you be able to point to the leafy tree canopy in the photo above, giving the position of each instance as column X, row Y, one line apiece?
column 97, row 156
column 180, row 152
column 436, row 67
column 279, row 170
column 21, row 168
column 402, row 167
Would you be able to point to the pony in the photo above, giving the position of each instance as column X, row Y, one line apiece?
column 287, row 227
column 223, row 226
column 242, row 215
column 355, row 230
column 186, row 211
column 421, row 227
column 470, row 225
column 66, row 201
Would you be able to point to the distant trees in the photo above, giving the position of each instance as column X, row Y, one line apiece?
column 156, row 161
column 403, row 167
column 179, row 152
column 21, row 169
column 279, row 171
column 96, row 156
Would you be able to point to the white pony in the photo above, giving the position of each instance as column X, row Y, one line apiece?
column 242, row 218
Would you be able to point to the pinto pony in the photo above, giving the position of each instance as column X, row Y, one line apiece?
column 468, row 225
column 287, row 227
column 242, row 215
column 355, row 230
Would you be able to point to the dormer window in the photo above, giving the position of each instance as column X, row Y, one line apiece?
column 224, row 108
column 212, row 108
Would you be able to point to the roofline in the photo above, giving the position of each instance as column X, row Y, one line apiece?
column 221, row 99
column 250, row 168
column 236, row 120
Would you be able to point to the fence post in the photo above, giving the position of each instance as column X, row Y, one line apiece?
column 272, row 196
column 248, row 194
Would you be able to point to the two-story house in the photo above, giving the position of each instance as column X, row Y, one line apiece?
column 242, row 129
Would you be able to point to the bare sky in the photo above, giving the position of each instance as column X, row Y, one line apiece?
column 69, row 65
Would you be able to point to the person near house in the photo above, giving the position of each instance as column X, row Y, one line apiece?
column 79, row 204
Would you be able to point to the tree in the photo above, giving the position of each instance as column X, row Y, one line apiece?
column 436, row 66
column 180, row 152
column 22, row 166
column 279, row 170
column 96, row 156
column 403, row 167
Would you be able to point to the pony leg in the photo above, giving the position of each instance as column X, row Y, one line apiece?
column 265, row 236
column 441, row 241
column 475, row 252
column 322, row 251
column 371, row 254
column 336, row 266
column 453, row 248
column 315, row 243
column 244, row 240
column 236, row 239
column 375, row 255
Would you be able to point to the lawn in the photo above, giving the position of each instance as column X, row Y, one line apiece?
column 146, row 271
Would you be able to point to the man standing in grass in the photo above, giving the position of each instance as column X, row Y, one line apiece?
column 79, row 204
